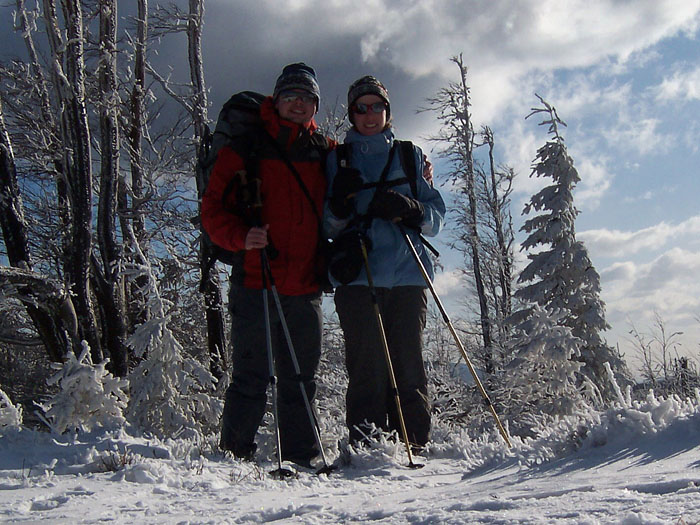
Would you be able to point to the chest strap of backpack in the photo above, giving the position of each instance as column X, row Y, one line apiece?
column 408, row 164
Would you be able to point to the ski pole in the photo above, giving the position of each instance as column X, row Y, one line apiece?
column 279, row 473
column 385, row 346
column 477, row 381
column 267, row 271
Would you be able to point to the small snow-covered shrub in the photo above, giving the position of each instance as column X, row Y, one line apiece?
column 171, row 394
column 88, row 396
column 10, row 416
column 541, row 378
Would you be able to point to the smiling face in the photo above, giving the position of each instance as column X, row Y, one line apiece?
column 369, row 123
column 297, row 106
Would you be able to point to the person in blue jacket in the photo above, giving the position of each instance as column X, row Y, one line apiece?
column 370, row 194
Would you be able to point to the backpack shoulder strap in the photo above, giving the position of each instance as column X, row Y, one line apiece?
column 342, row 152
column 322, row 144
column 408, row 163
column 296, row 175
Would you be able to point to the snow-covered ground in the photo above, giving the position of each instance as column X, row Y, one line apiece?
column 638, row 464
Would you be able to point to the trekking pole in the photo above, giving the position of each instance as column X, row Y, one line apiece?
column 454, row 334
column 385, row 346
column 267, row 277
column 280, row 472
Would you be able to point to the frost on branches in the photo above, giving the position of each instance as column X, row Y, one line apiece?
column 170, row 392
column 89, row 396
column 560, row 276
column 10, row 415
column 541, row 378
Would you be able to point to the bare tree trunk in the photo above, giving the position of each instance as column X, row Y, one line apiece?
column 136, row 116
column 57, row 49
column 472, row 240
column 212, row 292
column 138, row 94
column 77, row 162
column 112, row 297
column 495, row 204
column 55, row 335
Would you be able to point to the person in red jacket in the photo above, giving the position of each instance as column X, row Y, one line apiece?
column 288, row 228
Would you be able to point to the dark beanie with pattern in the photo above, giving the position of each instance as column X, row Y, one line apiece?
column 298, row 76
column 368, row 85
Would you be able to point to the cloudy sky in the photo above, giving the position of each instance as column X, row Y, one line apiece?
column 624, row 76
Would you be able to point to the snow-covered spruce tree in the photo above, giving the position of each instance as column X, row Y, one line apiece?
column 171, row 393
column 10, row 415
column 89, row 396
column 560, row 276
column 541, row 378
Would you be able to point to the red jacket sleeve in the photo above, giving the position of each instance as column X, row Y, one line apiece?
column 225, row 229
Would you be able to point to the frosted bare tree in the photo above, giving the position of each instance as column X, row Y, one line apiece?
column 485, row 235
column 193, row 98
column 457, row 137
column 68, row 67
column 46, row 301
column 64, row 106
column 495, row 192
column 108, row 273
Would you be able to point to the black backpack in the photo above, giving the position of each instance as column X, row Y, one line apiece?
column 239, row 126
column 239, row 118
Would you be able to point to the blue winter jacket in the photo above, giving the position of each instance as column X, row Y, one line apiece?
column 390, row 259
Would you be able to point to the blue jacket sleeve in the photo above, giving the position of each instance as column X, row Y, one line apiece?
column 430, row 198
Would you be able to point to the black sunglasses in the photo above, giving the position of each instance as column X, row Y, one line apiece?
column 376, row 107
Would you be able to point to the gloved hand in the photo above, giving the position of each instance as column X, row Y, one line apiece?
column 346, row 184
column 393, row 206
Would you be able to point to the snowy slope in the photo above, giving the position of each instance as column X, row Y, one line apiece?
column 635, row 466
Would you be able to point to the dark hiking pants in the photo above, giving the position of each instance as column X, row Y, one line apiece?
column 246, row 397
column 369, row 395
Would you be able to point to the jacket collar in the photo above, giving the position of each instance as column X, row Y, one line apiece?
column 379, row 143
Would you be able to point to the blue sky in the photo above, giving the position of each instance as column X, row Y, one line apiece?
column 624, row 76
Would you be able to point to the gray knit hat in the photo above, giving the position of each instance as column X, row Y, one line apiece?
column 368, row 85
column 298, row 76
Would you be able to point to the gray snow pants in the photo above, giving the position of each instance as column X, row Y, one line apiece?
column 369, row 397
column 246, row 397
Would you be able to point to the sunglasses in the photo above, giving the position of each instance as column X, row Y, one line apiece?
column 376, row 107
column 291, row 96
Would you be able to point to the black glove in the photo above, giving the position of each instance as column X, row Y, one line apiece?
column 346, row 183
column 393, row 207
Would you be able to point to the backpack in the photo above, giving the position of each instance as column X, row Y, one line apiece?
column 239, row 118
column 239, row 126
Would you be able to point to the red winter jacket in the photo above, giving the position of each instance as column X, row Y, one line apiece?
column 293, row 225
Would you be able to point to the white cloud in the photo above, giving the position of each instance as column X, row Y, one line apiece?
column 639, row 135
column 448, row 282
column 682, row 85
column 617, row 243
column 634, row 292
column 646, row 196
column 502, row 42
column 595, row 181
